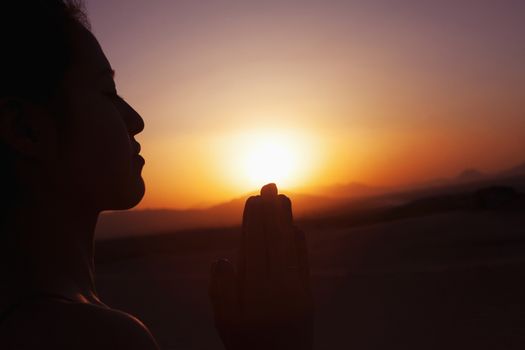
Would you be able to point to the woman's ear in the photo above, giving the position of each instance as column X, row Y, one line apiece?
column 25, row 128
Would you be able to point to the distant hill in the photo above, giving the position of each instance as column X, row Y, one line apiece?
column 470, row 175
column 333, row 200
column 352, row 190
column 517, row 170
column 140, row 222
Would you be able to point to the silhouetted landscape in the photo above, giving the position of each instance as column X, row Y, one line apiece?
column 324, row 203
column 441, row 266
column 256, row 175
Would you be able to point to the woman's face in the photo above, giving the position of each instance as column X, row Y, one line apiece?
column 99, row 163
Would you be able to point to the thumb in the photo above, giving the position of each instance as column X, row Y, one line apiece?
column 224, row 295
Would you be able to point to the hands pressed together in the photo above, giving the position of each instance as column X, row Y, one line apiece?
column 266, row 302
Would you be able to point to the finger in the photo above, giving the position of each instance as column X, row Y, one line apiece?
column 283, row 252
column 253, row 255
column 277, row 217
column 288, row 231
column 269, row 191
column 294, row 275
column 273, row 228
column 302, row 255
column 223, row 294
column 225, row 303
column 286, row 209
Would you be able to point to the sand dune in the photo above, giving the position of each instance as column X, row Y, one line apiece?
column 426, row 279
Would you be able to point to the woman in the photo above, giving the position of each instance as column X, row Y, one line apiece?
column 68, row 153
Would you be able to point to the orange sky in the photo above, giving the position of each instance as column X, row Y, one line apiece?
column 355, row 91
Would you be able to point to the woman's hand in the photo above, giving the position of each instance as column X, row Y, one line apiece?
column 267, row 304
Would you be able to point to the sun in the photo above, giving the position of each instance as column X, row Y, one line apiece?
column 270, row 159
column 265, row 156
column 247, row 159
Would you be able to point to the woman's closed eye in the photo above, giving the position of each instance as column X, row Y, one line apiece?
column 113, row 95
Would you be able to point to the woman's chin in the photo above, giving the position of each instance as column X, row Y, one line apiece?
column 129, row 197
column 137, row 194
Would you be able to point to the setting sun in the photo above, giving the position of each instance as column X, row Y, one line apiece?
column 255, row 158
column 270, row 159
column 313, row 94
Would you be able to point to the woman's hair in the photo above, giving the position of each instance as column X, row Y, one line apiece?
column 36, row 50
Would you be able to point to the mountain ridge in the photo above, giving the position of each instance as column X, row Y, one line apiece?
column 148, row 221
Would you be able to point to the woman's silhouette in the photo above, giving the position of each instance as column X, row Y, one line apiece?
column 68, row 153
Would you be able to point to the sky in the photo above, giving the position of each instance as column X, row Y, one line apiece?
column 312, row 93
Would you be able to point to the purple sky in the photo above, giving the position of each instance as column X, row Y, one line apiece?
column 413, row 74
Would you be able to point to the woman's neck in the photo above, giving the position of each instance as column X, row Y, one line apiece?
column 51, row 249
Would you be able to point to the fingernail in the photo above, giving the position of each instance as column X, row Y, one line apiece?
column 269, row 191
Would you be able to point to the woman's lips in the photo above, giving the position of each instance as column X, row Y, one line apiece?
column 139, row 159
column 136, row 147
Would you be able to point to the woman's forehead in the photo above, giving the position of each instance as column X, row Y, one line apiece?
column 88, row 57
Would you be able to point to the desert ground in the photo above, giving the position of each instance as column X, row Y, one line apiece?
column 435, row 279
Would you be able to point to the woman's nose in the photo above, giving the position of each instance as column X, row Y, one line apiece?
column 133, row 120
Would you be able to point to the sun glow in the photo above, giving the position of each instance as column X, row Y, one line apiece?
column 261, row 157
column 270, row 159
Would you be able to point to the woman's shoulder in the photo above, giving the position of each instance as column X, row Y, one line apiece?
column 61, row 324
